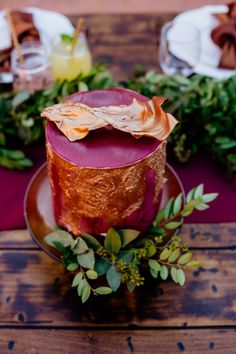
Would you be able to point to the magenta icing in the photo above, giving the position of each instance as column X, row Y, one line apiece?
column 105, row 147
column 143, row 217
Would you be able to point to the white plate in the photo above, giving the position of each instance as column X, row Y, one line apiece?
column 48, row 23
column 203, row 19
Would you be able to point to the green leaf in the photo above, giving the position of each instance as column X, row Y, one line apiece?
column 187, row 210
column 222, row 139
column 82, row 86
column 159, row 231
column 91, row 241
column 59, row 246
column 165, row 254
column 232, row 158
column 103, row 290
column 194, row 264
column 180, row 277
column 159, row 216
column 173, row 225
column 190, row 195
column 91, row 274
column 154, row 273
column 85, row 293
column 173, row 273
column 86, row 260
column 154, row 265
column 198, row 191
column 113, row 278
column 128, row 235
column 174, row 255
column 125, row 256
column 112, row 241
column 185, row 258
column 164, row 272
column 81, row 286
column 77, row 279
column 16, row 154
column 61, row 236
column 20, row 98
column 72, row 266
column 67, row 38
column 168, row 208
column 207, row 198
column 101, row 266
column 177, row 204
column 202, row 206
column 229, row 145
column 81, row 247
column 151, row 250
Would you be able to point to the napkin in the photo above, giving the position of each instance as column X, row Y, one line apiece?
column 25, row 30
column 224, row 35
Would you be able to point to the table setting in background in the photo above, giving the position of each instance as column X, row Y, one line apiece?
column 153, row 274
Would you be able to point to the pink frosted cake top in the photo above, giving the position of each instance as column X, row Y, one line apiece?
column 105, row 147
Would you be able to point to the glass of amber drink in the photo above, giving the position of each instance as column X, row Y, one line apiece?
column 66, row 63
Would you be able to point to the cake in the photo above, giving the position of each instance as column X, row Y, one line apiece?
column 105, row 162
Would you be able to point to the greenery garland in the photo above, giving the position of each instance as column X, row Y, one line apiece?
column 122, row 255
column 20, row 121
column 205, row 107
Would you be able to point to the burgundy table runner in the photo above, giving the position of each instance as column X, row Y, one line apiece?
column 201, row 169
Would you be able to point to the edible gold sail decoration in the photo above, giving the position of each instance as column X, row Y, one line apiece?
column 75, row 120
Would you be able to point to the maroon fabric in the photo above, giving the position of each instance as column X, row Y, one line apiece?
column 13, row 185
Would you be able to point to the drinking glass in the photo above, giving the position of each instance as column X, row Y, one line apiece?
column 179, row 49
column 31, row 69
column 67, row 64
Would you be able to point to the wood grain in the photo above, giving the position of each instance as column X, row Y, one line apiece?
column 125, row 41
column 117, row 342
column 196, row 235
column 34, row 291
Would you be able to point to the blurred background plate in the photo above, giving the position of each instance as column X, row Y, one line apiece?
column 202, row 18
column 48, row 23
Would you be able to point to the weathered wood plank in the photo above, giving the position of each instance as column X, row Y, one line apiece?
column 119, row 40
column 117, row 342
column 125, row 29
column 34, row 291
column 123, row 60
column 16, row 239
column 196, row 235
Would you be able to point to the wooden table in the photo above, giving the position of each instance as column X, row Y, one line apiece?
column 39, row 313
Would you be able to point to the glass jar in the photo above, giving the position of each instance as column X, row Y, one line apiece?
column 32, row 72
column 67, row 65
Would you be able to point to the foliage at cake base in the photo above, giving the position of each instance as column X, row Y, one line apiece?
column 122, row 256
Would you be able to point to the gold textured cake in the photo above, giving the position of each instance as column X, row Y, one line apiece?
column 106, row 152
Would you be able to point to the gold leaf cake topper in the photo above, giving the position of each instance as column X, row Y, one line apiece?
column 139, row 118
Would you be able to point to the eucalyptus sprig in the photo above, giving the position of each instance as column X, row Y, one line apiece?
column 100, row 265
column 171, row 217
